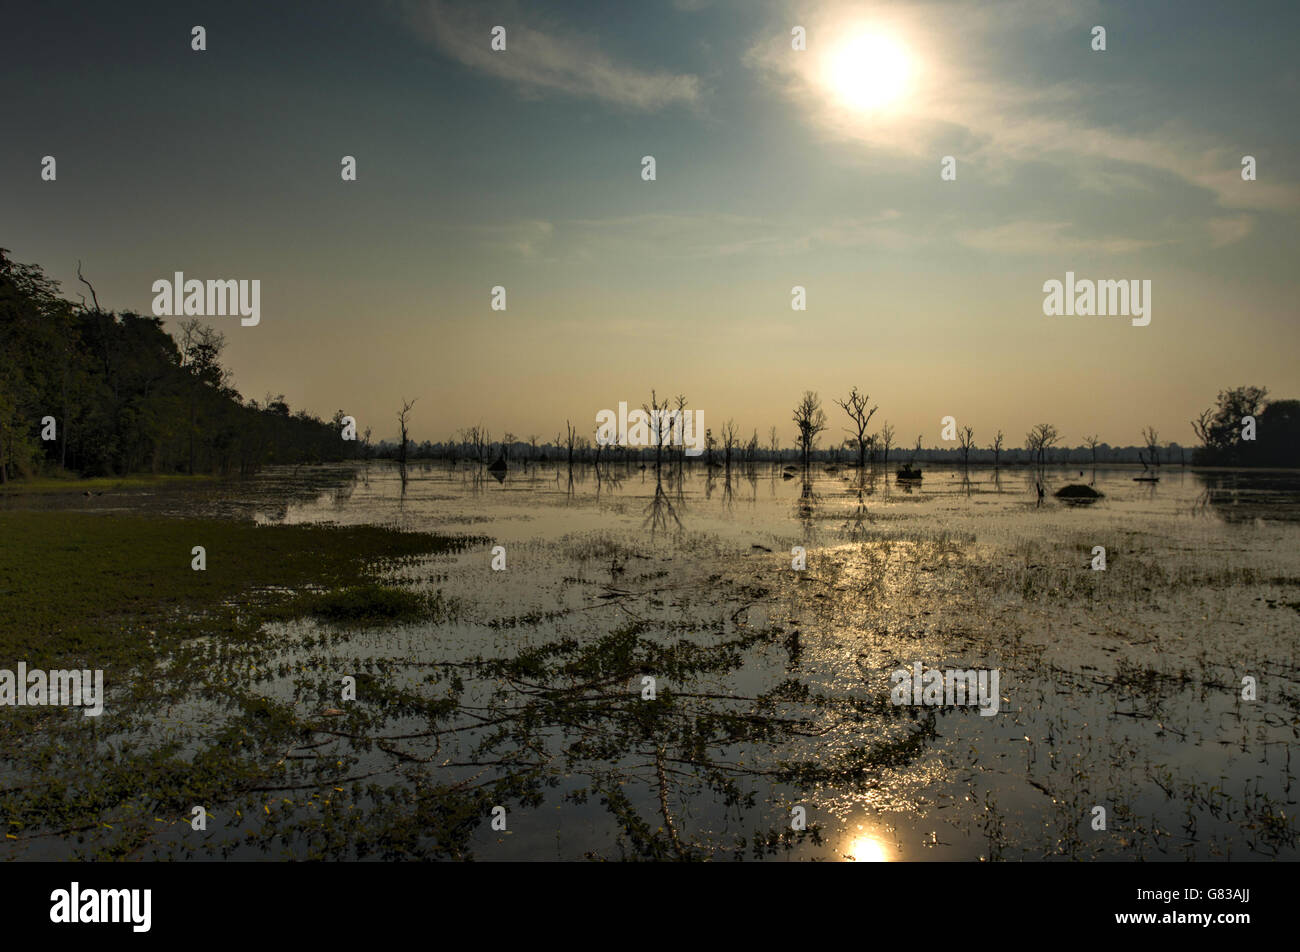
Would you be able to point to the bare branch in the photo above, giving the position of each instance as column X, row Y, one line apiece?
column 93, row 296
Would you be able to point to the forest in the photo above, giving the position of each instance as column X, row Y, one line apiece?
column 101, row 393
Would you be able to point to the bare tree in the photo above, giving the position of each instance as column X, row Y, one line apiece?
column 1204, row 427
column 571, row 440
column 774, row 443
column 532, row 444
column 478, row 442
column 657, row 412
column 997, row 448
column 887, row 439
column 730, row 440
column 680, row 410
column 856, row 407
column 1039, row 440
column 1092, row 441
column 966, row 439
column 810, row 418
column 93, row 296
column 1152, row 440
column 402, row 417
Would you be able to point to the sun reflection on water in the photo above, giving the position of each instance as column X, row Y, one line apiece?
column 866, row 848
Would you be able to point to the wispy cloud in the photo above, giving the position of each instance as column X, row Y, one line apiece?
column 693, row 236
column 525, row 238
column 541, row 58
column 964, row 100
column 1224, row 231
column 1046, row 238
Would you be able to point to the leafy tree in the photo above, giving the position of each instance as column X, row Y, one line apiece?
column 1219, row 427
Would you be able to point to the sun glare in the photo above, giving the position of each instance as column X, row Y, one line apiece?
column 870, row 71
column 867, row 849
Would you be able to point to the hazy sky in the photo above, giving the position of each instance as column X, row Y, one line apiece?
column 775, row 168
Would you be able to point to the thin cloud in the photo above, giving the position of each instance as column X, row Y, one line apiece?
column 961, row 103
column 694, row 236
column 538, row 60
column 1046, row 238
column 1225, row 231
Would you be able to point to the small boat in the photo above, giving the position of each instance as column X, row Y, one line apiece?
column 499, row 466
column 1146, row 479
column 907, row 472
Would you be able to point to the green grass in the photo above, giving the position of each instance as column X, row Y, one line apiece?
column 116, row 589
column 68, row 483
column 117, row 592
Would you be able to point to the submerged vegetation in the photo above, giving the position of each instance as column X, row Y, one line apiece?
column 651, row 692
column 109, row 590
column 198, row 643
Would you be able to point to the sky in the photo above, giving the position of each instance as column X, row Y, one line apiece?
column 774, row 168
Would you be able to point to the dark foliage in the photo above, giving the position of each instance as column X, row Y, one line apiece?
column 128, row 397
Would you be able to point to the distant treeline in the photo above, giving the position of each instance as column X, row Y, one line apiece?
column 1171, row 454
column 104, row 393
column 1242, row 429
column 586, row 451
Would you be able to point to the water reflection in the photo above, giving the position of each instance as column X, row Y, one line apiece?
column 1239, row 496
column 806, row 508
column 865, row 848
column 661, row 510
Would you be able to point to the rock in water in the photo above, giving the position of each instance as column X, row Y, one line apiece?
column 1077, row 491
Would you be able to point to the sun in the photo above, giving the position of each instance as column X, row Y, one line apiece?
column 869, row 71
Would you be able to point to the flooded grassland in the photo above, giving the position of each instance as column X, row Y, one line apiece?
column 649, row 676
